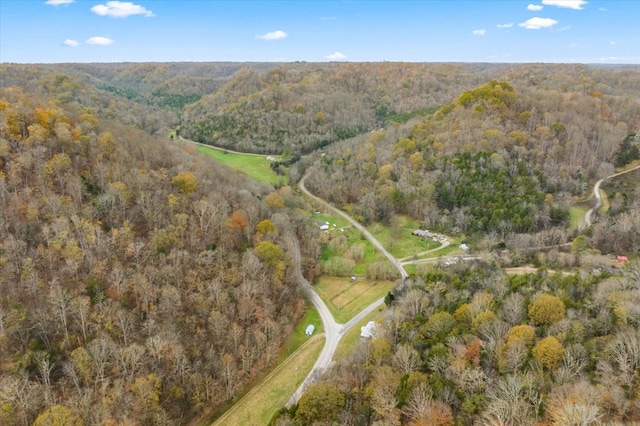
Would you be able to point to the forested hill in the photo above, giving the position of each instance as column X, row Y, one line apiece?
column 150, row 96
column 304, row 107
column 139, row 282
column 500, row 159
column 309, row 106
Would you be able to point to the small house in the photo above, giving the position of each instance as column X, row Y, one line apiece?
column 324, row 226
column 310, row 329
column 369, row 330
column 423, row 233
column 622, row 259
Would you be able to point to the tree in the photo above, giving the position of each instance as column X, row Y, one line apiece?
column 271, row 255
column 513, row 308
column 321, row 402
column 546, row 310
column 58, row 415
column 575, row 404
column 423, row 410
column 265, row 227
column 186, row 182
column 406, row 359
column 548, row 352
column 239, row 220
column 438, row 325
column 274, row 199
column 521, row 334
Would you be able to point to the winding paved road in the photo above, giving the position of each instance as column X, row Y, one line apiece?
column 333, row 330
column 596, row 193
column 356, row 224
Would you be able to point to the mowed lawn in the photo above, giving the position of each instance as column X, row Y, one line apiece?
column 346, row 299
column 256, row 167
column 399, row 241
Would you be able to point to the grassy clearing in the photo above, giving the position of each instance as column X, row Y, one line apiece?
column 256, row 167
column 351, row 340
column 370, row 255
column 399, row 241
column 605, row 202
column 336, row 220
column 576, row 217
column 345, row 299
column 342, row 240
column 265, row 399
column 298, row 338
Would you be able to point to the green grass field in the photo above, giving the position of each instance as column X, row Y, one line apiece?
column 265, row 399
column 256, row 167
column 399, row 241
column 576, row 217
column 298, row 338
column 345, row 299
column 332, row 219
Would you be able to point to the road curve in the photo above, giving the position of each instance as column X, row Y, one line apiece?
column 361, row 228
column 333, row 330
column 596, row 193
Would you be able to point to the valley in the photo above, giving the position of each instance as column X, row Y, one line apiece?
column 149, row 280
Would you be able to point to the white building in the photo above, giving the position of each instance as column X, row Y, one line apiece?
column 368, row 331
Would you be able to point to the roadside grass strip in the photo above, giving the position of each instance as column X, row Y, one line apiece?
column 576, row 217
column 346, row 299
column 298, row 337
column 259, row 405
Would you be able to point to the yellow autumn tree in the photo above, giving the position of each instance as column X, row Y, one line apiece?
column 58, row 415
column 546, row 309
column 186, row 182
column 548, row 352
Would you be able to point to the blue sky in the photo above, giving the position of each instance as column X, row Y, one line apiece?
column 412, row 31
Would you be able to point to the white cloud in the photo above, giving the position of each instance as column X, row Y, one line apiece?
column 479, row 32
column 101, row 41
column 509, row 25
column 336, row 56
column 328, row 18
column 618, row 59
column 58, row 2
column 537, row 23
column 69, row 42
column 602, row 9
column 612, row 42
column 535, row 7
column 120, row 9
column 274, row 35
column 568, row 4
